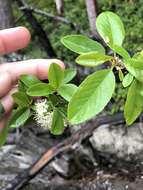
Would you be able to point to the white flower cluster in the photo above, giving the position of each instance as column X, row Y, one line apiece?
column 42, row 115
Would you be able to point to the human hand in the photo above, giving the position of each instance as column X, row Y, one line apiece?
column 12, row 40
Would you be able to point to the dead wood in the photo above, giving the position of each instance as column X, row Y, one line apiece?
column 85, row 131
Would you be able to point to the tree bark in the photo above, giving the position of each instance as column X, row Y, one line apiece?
column 91, row 6
column 59, row 6
column 6, row 16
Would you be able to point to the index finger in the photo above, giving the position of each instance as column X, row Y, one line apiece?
column 13, row 71
column 9, row 73
column 13, row 39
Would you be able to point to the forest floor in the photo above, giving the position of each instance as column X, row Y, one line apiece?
column 102, row 162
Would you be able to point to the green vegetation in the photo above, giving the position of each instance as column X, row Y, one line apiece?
column 59, row 102
column 131, row 13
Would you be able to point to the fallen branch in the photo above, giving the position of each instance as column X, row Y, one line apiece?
column 85, row 131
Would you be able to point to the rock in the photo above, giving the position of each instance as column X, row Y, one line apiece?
column 124, row 143
column 84, row 167
column 96, row 184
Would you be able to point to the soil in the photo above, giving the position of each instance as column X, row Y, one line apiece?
column 97, row 163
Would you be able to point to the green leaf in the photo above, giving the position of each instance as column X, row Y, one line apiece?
column 21, row 86
column 57, row 126
column 55, row 75
column 111, row 28
column 92, row 59
column 63, row 111
column 67, row 91
column 3, row 135
column 2, row 111
column 81, row 44
column 19, row 117
column 135, row 67
column 121, row 51
column 134, row 102
column 41, row 89
column 56, row 100
column 69, row 74
column 21, row 99
column 29, row 80
column 127, row 80
column 121, row 75
column 92, row 96
column 138, row 55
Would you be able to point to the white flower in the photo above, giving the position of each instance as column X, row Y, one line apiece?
column 42, row 115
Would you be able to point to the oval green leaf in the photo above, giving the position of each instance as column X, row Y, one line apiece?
column 41, row 89
column 135, row 67
column 92, row 59
column 81, row 44
column 19, row 117
column 121, row 51
column 134, row 102
column 69, row 74
column 111, row 28
column 138, row 55
column 29, row 80
column 67, row 91
column 21, row 86
column 21, row 99
column 55, row 75
column 92, row 96
column 57, row 127
column 127, row 80
column 121, row 75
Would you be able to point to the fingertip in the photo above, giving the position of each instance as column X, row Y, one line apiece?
column 43, row 66
column 26, row 34
column 13, row 39
column 7, row 101
column 59, row 62
column 6, row 81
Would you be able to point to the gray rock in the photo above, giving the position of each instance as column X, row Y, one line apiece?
column 77, row 169
column 124, row 143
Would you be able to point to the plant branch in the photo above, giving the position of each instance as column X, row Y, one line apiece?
column 38, row 29
column 54, row 17
column 59, row 6
column 85, row 131
column 91, row 6
column 61, row 19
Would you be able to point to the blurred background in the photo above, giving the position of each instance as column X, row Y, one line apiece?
column 49, row 20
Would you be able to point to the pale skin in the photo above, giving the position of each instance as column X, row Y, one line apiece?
column 11, row 40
